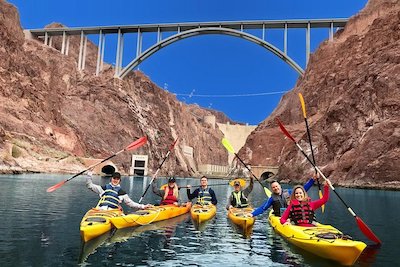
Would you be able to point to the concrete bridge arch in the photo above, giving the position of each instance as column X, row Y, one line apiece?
column 211, row 30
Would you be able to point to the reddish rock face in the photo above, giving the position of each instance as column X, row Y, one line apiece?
column 352, row 92
column 51, row 113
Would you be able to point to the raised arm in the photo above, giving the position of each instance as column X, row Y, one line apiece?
column 263, row 207
column 319, row 202
column 249, row 188
column 192, row 195
column 91, row 186
column 309, row 184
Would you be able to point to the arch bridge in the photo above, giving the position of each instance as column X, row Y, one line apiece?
column 180, row 31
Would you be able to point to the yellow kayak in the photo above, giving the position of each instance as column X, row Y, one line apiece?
column 97, row 222
column 322, row 240
column 147, row 216
column 89, row 247
column 242, row 217
column 122, row 235
column 202, row 213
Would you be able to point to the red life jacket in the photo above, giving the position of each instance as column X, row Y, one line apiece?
column 301, row 213
column 170, row 199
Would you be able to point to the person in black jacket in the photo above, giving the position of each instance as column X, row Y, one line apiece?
column 204, row 194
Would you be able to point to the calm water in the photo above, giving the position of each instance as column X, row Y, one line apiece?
column 42, row 229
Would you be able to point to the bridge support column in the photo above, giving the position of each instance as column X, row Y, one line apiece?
column 139, row 43
column 46, row 38
column 99, row 65
column 63, row 43
column 285, row 39
column 308, row 33
column 80, row 57
column 51, row 41
column 120, row 48
column 67, row 46
column 84, row 53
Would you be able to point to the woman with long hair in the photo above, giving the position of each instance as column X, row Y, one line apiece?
column 301, row 209
column 170, row 193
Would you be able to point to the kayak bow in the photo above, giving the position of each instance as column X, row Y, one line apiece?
column 322, row 240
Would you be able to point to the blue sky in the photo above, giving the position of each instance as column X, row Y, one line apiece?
column 212, row 65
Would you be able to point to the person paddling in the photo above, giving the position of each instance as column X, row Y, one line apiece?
column 239, row 197
column 111, row 194
column 301, row 209
column 170, row 193
column 280, row 198
column 204, row 194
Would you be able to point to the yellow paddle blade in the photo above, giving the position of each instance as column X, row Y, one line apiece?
column 267, row 192
column 163, row 186
column 227, row 145
column 303, row 105
column 323, row 206
column 240, row 180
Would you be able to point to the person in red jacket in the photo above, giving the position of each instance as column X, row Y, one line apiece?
column 301, row 209
column 169, row 193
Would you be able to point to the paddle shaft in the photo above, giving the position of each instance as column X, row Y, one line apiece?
column 194, row 186
column 158, row 169
column 133, row 145
column 230, row 149
column 303, row 106
column 364, row 228
column 249, row 169
column 96, row 164
column 313, row 158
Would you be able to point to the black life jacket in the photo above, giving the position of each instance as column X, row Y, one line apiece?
column 301, row 213
column 204, row 196
column 280, row 201
column 110, row 196
column 239, row 200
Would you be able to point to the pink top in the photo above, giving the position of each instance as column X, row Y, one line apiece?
column 313, row 205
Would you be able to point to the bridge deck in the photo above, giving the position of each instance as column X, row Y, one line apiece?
column 170, row 27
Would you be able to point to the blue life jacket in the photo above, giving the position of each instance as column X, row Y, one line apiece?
column 110, row 197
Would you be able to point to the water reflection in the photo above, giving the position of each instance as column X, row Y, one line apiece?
column 165, row 228
column 42, row 229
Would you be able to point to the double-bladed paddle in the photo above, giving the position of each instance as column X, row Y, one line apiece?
column 303, row 106
column 363, row 227
column 136, row 144
column 159, row 167
column 230, row 149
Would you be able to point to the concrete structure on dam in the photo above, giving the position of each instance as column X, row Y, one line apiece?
column 237, row 135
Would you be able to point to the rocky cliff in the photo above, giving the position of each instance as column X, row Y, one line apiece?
column 352, row 92
column 51, row 114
